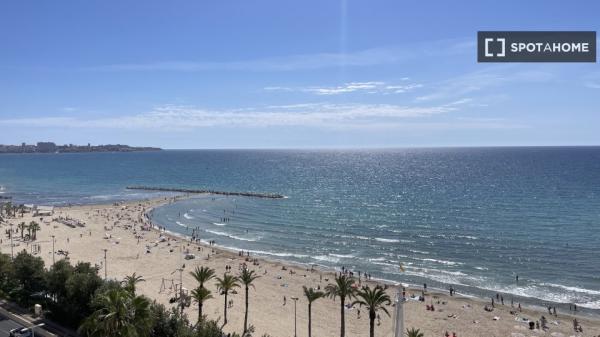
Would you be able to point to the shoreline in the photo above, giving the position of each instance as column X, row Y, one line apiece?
column 112, row 218
column 532, row 302
column 590, row 313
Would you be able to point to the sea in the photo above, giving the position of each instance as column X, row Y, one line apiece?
column 470, row 218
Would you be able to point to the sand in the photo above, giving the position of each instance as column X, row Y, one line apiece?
column 111, row 227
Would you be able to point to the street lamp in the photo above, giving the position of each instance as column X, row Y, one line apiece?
column 12, row 249
column 33, row 329
column 105, row 273
column 399, row 319
column 53, row 240
column 295, row 301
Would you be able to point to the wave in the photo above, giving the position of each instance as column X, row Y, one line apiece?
column 387, row 240
column 590, row 305
column 187, row 216
column 181, row 224
column 448, row 263
column 573, row 289
column 231, row 236
column 326, row 258
column 343, row 256
column 218, row 224
column 354, row 237
column 266, row 252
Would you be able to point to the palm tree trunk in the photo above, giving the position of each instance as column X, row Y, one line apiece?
column 342, row 318
column 372, row 323
column 199, row 311
column 309, row 318
column 225, row 310
column 246, row 314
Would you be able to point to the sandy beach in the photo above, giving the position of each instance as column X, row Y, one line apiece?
column 157, row 257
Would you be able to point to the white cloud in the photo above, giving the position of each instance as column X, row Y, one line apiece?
column 173, row 117
column 373, row 87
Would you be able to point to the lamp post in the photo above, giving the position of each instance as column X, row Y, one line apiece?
column 53, row 240
column 399, row 319
column 105, row 273
column 33, row 329
column 12, row 249
column 295, row 301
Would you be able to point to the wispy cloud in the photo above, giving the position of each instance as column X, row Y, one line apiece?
column 366, row 57
column 373, row 87
column 592, row 85
column 592, row 80
column 482, row 79
column 173, row 117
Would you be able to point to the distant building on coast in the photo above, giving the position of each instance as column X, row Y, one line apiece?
column 50, row 147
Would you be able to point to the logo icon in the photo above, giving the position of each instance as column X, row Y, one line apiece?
column 502, row 42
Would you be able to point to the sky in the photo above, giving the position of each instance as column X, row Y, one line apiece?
column 284, row 74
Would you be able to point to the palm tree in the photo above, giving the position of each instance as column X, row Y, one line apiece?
column 247, row 277
column 224, row 285
column 344, row 288
column 130, row 282
column 8, row 208
column 203, row 275
column 33, row 228
column 22, row 227
column 120, row 314
column 414, row 333
column 311, row 295
column 374, row 299
column 200, row 295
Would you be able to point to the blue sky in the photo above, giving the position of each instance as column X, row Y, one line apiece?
column 256, row 74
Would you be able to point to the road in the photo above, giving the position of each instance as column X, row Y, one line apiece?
column 6, row 325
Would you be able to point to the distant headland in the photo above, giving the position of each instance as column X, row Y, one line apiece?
column 49, row 147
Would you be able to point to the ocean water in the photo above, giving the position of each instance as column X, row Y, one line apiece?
column 473, row 218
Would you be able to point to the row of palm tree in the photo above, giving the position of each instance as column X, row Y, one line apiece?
column 374, row 299
column 121, row 310
column 224, row 285
column 32, row 229
column 11, row 209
